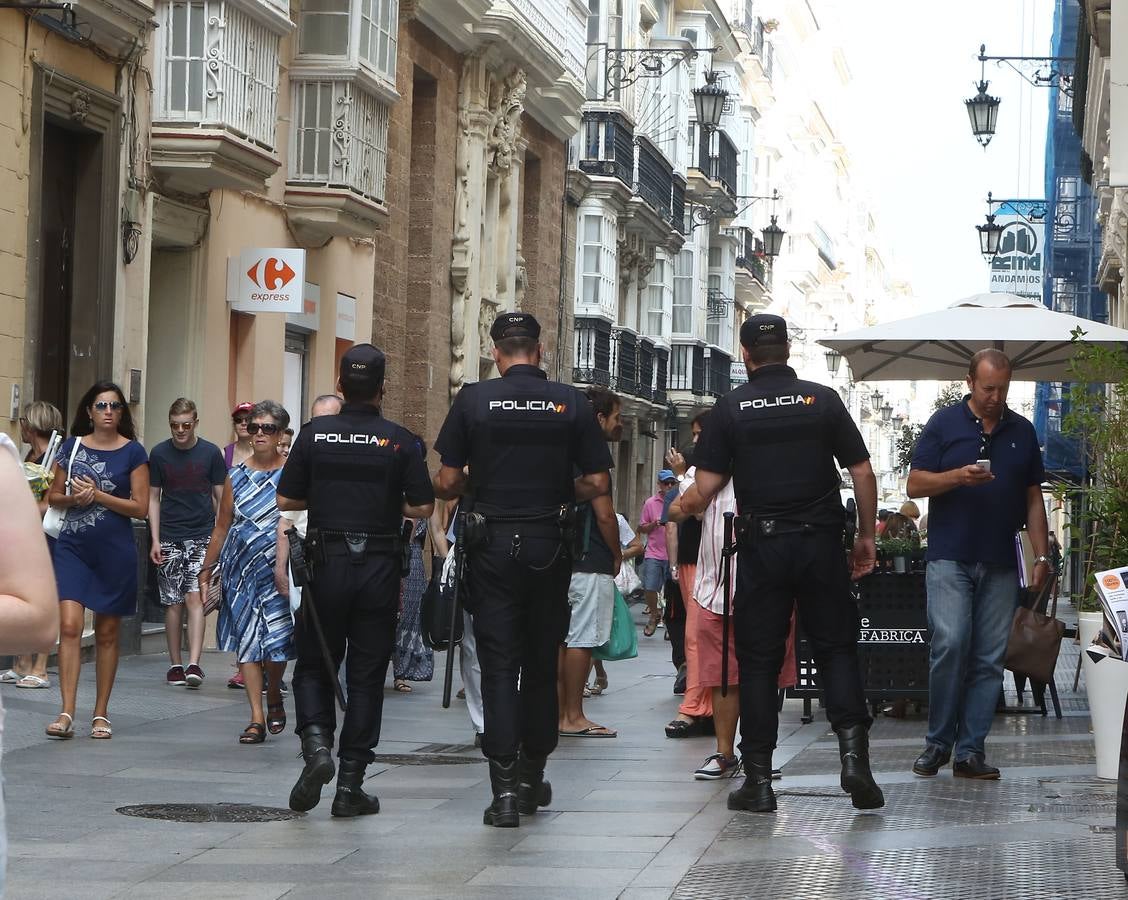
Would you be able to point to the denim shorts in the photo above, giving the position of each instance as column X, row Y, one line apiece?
column 654, row 574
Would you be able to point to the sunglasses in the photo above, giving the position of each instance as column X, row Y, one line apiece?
column 181, row 426
column 240, row 420
column 103, row 405
column 267, row 428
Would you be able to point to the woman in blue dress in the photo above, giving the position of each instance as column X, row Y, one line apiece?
column 254, row 618
column 95, row 556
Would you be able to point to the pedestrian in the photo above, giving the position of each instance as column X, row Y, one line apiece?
column 779, row 439
column 187, row 475
column 358, row 475
column 254, row 619
column 979, row 463
column 655, row 561
column 591, row 591
column 101, row 481
column 29, row 605
column 413, row 660
column 695, row 713
column 524, row 438
column 626, row 582
column 236, row 452
column 39, row 421
column 285, row 441
column 444, row 522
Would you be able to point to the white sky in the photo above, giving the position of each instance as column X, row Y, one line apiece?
column 913, row 65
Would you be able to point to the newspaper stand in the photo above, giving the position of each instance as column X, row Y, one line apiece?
column 893, row 640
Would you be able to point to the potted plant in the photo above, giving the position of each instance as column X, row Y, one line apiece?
column 1098, row 416
column 899, row 550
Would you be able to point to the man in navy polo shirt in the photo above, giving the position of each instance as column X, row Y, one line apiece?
column 980, row 464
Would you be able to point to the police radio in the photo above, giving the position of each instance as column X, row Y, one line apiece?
column 299, row 570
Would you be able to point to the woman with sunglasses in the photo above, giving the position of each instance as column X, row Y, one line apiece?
column 240, row 449
column 101, row 483
column 254, row 618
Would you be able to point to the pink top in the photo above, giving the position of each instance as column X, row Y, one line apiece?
column 656, row 540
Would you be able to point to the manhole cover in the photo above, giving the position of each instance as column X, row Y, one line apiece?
column 209, row 812
column 426, row 759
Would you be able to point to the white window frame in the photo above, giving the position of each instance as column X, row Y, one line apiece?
column 236, row 57
column 605, row 251
column 685, row 279
column 373, row 27
column 355, row 130
column 659, row 296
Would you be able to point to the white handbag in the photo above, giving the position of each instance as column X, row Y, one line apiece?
column 53, row 518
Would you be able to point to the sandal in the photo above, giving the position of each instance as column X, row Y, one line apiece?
column 255, row 733
column 10, row 677
column 650, row 627
column 402, row 686
column 58, row 732
column 680, row 728
column 101, row 732
column 33, row 681
column 276, row 718
column 599, row 685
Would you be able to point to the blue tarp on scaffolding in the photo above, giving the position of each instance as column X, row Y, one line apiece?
column 1073, row 246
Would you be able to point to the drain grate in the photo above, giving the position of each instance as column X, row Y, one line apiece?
column 1031, row 870
column 426, row 759
column 209, row 812
column 449, row 748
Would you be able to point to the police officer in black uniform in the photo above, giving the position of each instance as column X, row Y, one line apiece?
column 778, row 437
column 524, row 438
column 358, row 475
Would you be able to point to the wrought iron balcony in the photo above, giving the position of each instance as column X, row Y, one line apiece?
column 716, row 158
column 592, row 361
column 718, row 373
column 750, row 255
column 717, row 308
column 661, row 368
column 608, row 146
column 687, row 368
column 677, row 205
column 654, row 179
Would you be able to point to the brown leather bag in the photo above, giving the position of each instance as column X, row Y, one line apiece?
column 1035, row 639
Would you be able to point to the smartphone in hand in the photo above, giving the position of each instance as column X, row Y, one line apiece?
column 984, row 464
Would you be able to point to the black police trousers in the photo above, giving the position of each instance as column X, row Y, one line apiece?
column 520, row 621
column 357, row 605
column 773, row 576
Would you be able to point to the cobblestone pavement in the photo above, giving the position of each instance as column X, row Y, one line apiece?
column 627, row 820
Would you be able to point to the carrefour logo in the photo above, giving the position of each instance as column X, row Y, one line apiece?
column 528, row 406
column 770, row 402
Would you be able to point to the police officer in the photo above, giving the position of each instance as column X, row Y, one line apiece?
column 358, row 475
column 778, row 437
column 524, row 439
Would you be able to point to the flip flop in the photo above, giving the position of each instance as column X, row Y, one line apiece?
column 402, row 686
column 58, row 733
column 10, row 677
column 593, row 731
column 33, row 681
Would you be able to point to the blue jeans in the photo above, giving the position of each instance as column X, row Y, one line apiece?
column 970, row 609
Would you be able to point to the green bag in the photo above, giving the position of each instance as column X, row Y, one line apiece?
column 623, row 643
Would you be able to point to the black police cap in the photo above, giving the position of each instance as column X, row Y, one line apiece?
column 362, row 366
column 515, row 325
column 763, row 329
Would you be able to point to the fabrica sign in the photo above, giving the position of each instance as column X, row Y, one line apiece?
column 266, row 279
column 1019, row 265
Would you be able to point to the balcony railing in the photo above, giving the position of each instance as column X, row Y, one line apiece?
column 654, row 179
column 592, row 361
column 661, row 368
column 716, row 157
column 608, row 146
column 677, row 204
column 717, row 305
column 718, row 373
column 559, row 27
column 687, row 368
column 624, row 361
column 750, row 255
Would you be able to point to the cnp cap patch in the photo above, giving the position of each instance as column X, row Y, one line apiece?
column 362, row 367
column 763, row 329
column 515, row 325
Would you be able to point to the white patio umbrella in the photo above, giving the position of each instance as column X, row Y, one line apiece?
column 938, row 345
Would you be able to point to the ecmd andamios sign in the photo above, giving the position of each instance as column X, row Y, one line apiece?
column 266, row 279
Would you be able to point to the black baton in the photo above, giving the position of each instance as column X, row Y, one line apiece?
column 299, row 570
column 726, row 561
column 459, row 551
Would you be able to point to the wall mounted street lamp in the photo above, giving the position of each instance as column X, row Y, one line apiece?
column 833, row 361
column 886, row 413
column 990, row 232
column 623, row 66
column 898, row 421
column 771, row 233
column 875, row 400
column 1040, row 71
column 709, row 101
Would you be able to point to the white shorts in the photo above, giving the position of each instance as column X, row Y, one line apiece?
column 592, row 599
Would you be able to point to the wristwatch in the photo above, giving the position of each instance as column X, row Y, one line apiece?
column 1044, row 559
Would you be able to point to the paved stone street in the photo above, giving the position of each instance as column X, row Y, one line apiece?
column 627, row 819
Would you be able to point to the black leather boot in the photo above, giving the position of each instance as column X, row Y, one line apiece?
column 351, row 799
column 857, row 779
column 532, row 789
column 317, row 751
column 502, row 813
column 756, row 794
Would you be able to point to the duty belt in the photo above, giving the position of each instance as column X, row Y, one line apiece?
column 355, row 544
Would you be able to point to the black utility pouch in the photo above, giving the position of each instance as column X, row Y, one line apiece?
column 357, row 546
column 476, row 533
